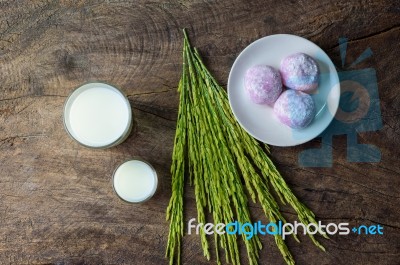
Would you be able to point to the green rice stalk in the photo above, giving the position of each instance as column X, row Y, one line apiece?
column 225, row 165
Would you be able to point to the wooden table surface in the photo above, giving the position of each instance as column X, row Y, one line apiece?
column 57, row 203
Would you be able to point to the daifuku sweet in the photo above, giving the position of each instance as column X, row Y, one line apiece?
column 263, row 84
column 300, row 72
column 295, row 109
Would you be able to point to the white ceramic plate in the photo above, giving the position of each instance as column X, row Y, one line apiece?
column 259, row 120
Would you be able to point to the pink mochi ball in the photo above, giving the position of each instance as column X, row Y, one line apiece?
column 263, row 84
column 300, row 72
column 295, row 109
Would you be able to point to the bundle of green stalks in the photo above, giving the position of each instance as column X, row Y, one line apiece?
column 225, row 165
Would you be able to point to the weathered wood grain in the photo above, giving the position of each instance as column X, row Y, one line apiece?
column 57, row 204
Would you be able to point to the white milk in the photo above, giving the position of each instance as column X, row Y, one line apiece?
column 98, row 115
column 135, row 181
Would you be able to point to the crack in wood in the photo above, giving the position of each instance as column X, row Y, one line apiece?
column 384, row 31
column 154, row 114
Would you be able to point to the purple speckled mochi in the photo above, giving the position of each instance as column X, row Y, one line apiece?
column 295, row 109
column 300, row 72
column 263, row 84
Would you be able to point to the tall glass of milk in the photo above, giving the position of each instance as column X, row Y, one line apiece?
column 98, row 115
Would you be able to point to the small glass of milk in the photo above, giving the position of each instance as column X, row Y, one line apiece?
column 135, row 181
column 98, row 115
